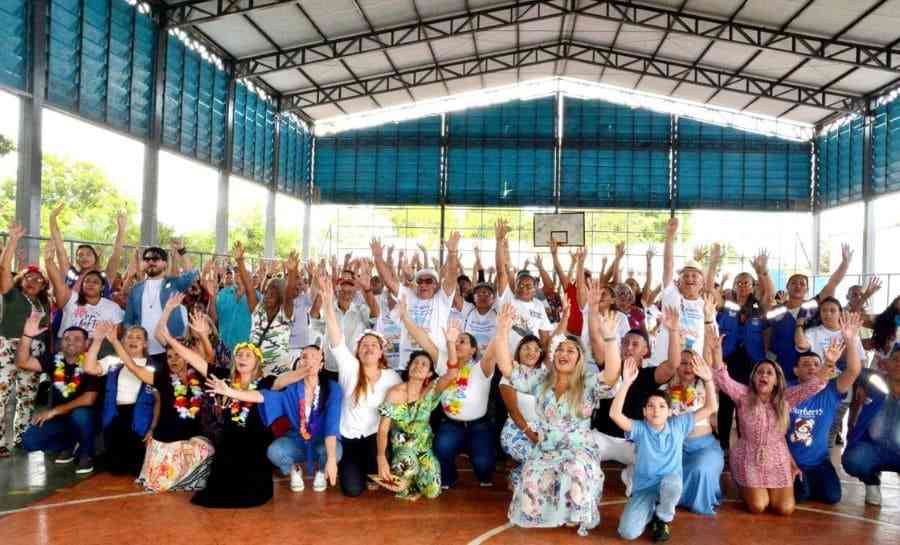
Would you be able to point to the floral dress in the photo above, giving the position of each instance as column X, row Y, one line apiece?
column 561, row 479
column 273, row 339
column 412, row 459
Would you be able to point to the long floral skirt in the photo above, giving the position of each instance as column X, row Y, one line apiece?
column 179, row 465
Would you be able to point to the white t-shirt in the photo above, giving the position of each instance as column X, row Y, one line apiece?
column 525, row 402
column 360, row 420
column 390, row 328
column 820, row 338
column 622, row 328
column 86, row 316
column 353, row 322
column 531, row 318
column 432, row 315
column 129, row 386
column 462, row 312
column 481, row 326
column 692, row 326
column 300, row 331
column 466, row 398
column 151, row 312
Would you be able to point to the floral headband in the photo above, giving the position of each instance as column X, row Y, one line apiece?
column 558, row 340
column 373, row 333
column 252, row 348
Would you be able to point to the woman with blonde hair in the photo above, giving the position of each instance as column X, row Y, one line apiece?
column 561, row 479
column 760, row 461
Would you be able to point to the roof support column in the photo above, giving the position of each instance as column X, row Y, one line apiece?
column 30, row 146
column 868, row 256
column 270, row 202
column 310, row 187
column 222, row 193
column 816, row 243
column 442, row 186
column 150, row 193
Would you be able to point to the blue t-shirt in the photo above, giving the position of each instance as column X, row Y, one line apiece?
column 234, row 317
column 810, row 423
column 658, row 453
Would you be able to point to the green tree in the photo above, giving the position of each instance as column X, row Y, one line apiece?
column 6, row 146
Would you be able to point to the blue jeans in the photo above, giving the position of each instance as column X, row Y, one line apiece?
column 818, row 483
column 63, row 432
column 865, row 460
column 291, row 449
column 660, row 499
column 477, row 437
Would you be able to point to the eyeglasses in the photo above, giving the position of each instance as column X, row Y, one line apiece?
column 150, row 258
column 426, row 280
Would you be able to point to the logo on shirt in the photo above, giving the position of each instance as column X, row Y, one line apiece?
column 803, row 431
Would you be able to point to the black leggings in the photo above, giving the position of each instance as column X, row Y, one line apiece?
column 359, row 458
column 739, row 367
column 124, row 449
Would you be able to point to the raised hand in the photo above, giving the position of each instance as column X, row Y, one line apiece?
column 326, row 289
column 237, row 251
column 701, row 368
column 292, row 263
column 453, row 331
column 501, row 229
column 760, row 263
column 505, row 317
column 650, row 254
column 554, row 246
column 709, row 306
column 699, row 254
column 620, row 250
column 173, row 303
column 122, row 220
column 715, row 252
column 671, row 227
column 671, row 318
column 377, row 248
column 401, row 308
column 607, row 324
column 834, row 350
column 539, row 262
column 33, row 325
column 198, row 323
column 363, row 275
column 15, row 232
column 629, row 371
column 873, row 286
column 846, row 253
column 54, row 214
column 217, row 386
column 452, row 243
column 850, row 323
column 715, row 344
column 565, row 310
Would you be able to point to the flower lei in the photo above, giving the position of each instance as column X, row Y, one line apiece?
column 305, row 426
column 685, row 398
column 187, row 408
column 240, row 410
column 59, row 375
column 456, row 392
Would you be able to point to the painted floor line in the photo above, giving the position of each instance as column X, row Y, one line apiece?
column 72, row 502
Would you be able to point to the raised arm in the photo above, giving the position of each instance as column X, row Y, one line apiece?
column 220, row 387
column 604, row 326
column 418, row 334
column 15, row 233
column 61, row 290
column 711, row 402
column 838, row 275
column 57, row 239
column 546, row 279
column 500, row 232
column 629, row 375
column 671, row 320
column 115, row 259
column 193, row 359
column 765, row 287
column 648, row 279
column 243, row 276
column 326, row 292
column 385, row 272
column 292, row 264
column 732, row 388
column 715, row 257
column 91, row 365
column 616, row 267
column 669, row 252
column 581, row 287
column 801, row 341
column 500, row 341
column 851, row 322
column 451, row 268
column 32, row 329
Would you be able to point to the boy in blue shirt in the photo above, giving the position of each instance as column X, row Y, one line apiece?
column 659, row 442
column 811, row 420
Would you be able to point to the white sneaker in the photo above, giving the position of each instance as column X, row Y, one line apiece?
column 297, row 479
column 319, row 483
column 873, row 494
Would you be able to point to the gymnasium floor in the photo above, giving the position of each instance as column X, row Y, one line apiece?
column 45, row 504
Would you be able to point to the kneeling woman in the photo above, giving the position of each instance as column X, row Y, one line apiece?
column 760, row 461
column 561, row 479
column 178, row 457
column 312, row 404
column 414, row 469
column 702, row 460
column 364, row 378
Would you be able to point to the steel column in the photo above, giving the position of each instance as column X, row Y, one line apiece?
column 222, row 195
column 150, row 193
column 30, row 146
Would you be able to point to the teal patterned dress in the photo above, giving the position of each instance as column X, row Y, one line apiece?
column 561, row 480
column 411, row 456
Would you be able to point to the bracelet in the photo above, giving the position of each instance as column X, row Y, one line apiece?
column 181, row 251
column 609, row 339
column 709, row 322
column 24, row 336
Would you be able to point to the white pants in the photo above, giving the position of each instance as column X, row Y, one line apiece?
column 620, row 450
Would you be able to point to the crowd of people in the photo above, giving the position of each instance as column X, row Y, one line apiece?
column 378, row 371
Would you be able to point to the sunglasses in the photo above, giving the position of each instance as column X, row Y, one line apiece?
column 150, row 258
column 425, row 281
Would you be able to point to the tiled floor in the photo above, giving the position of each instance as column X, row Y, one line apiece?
column 109, row 510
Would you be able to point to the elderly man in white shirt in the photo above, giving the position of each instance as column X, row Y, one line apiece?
column 354, row 317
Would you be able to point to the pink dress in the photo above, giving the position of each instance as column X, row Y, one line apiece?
column 761, row 459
